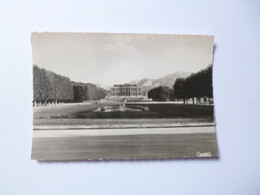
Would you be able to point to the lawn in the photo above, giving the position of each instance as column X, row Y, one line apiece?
column 159, row 114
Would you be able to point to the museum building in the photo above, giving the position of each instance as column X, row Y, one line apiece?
column 126, row 90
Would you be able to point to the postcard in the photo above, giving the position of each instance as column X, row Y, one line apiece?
column 114, row 96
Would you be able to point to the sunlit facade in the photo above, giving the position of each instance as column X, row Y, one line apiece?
column 126, row 90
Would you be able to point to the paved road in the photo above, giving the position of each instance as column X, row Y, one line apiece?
column 124, row 144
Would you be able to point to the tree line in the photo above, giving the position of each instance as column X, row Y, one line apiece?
column 51, row 87
column 161, row 93
column 87, row 91
column 195, row 87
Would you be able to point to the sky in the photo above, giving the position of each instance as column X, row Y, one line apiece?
column 106, row 59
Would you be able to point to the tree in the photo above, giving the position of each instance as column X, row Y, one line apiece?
column 179, row 89
column 48, row 86
column 87, row 91
column 197, row 85
column 80, row 92
column 42, row 89
column 61, row 86
column 161, row 93
column 94, row 92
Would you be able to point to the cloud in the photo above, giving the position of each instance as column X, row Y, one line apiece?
column 106, row 59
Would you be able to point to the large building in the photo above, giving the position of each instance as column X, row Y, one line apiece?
column 126, row 90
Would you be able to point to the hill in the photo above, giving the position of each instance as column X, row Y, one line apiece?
column 146, row 84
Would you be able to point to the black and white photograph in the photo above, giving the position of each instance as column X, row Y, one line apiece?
column 122, row 96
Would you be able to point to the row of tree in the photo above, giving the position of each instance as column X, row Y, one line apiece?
column 48, row 86
column 195, row 87
column 87, row 91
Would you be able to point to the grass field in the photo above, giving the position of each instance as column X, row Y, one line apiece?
column 158, row 114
